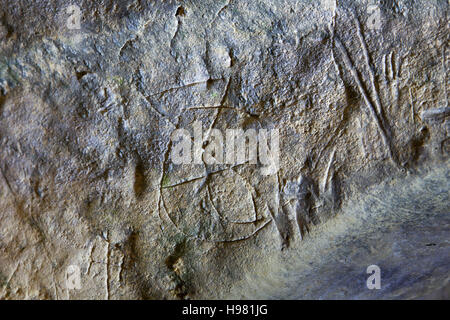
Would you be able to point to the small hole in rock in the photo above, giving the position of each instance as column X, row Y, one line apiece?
column 180, row 12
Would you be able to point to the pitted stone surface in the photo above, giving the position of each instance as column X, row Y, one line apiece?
column 356, row 89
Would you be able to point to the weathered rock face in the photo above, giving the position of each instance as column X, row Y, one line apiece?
column 356, row 89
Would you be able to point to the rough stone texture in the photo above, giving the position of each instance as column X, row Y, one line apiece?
column 85, row 172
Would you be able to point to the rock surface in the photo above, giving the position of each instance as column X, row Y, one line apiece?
column 356, row 89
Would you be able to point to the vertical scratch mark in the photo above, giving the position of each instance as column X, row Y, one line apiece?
column 161, row 180
column 398, row 66
column 398, row 62
column 90, row 258
column 331, row 27
column 122, row 261
column 274, row 210
column 391, row 65
column 107, row 267
column 333, row 15
column 369, row 104
column 369, row 66
column 384, row 66
column 208, row 191
column 336, row 65
column 444, row 66
column 208, row 133
column 327, row 171
column 411, row 101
